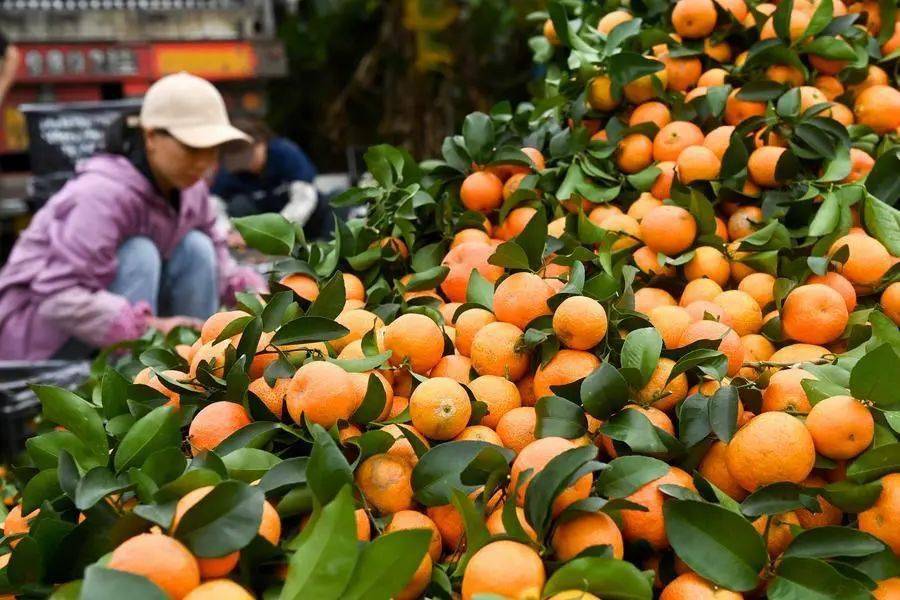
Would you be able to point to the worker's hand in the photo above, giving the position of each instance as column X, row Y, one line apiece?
column 166, row 324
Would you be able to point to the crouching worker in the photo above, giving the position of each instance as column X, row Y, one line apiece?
column 129, row 243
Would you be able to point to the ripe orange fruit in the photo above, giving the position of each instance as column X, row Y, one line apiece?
column 610, row 20
column 15, row 523
column 646, row 88
column 798, row 22
column 567, row 366
column 829, row 516
column 772, row 447
column 785, row 392
column 662, row 187
column 650, row 112
column 470, row 234
column 890, row 302
column 161, row 559
column 860, row 165
column 468, row 324
column 878, row 107
column 742, row 312
column 522, row 575
column 500, row 395
column 869, row 260
column 215, row 422
column 691, row 586
column 440, row 408
column 841, row 427
column 549, row 32
column 219, row 589
column 386, row 482
column 521, row 298
column 838, row 283
column 359, row 321
column 699, row 289
column 814, row 314
column 413, row 519
column 650, row 525
column 780, row 534
column 303, row 285
column 574, row 535
column 644, row 204
column 462, row 260
column 694, row 18
column 414, row 338
column 882, row 519
column 495, row 351
column 600, row 95
column 744, row 221
column 647, row 261
column 673, row 138
column 628, row 228
column 495, row 525
column 454, row 366
column 786, row 74
column 481, row 191
column 272, row 397
column 580, row 322
column 322, row 392
column 737, row 110
column 762, row 164
column 516, row 428
column 668, row 229
column 217, row 322
column 730, row 344
column 682, row 72
column 887, row 589
column 401, row 447
column 648, row 298
column 670, row 321
column 535, row 456
column 635, row 153
column 708, row 262
column 718, row 140
column 660, row 394
column 714, row 468
column 479, row 433
column 418, row 582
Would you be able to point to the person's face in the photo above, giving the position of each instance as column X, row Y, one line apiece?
column 175, row 164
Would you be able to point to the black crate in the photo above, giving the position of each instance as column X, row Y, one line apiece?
column 18, row 404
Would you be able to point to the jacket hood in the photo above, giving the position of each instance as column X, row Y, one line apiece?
column 119, row 169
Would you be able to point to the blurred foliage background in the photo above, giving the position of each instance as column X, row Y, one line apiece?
column 403, row 72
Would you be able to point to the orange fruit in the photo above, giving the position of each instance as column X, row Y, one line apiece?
column 780, row 534
column 742, row 311
column 785, row 391
column 635, row 153
column 584, row 530
column 860, row 165
column 462, row 260
column 714, row 468
column 888, row 589
column 15, row 523
column 499, row 394
column 670, row 321
column 786, row 74
column 215, row 422
column 418, row 582
column 648, row 298
column 691, row 586
column 647, row 261
column 495, row 525
column 737, row 110
column 878, row 107
column 628, row 228
column 413, row 519
column 829, row 516
column 708, row 262
column 673, row 138
column 481, row 191
column 890, row 302
column 730, row 343
column 772, row 447
column 219, row 589
column 744, row 221
column 465, row 236
column 359, row 321
column 495, row 351
column 386, row 482
column 798, row 22
column 882, row 519
column 869, row 260
column 841, row 427
column 668, row 229
column 567, row 366
column 600, row 96
column 662, row 187
column 303, row 285
column 440, row 408
column 838, row 283
column 580, row 322
column 402, row 448
column 450, row 524
column 650, row 525
column 645, row 88
column 713, row 77
column 694, row 19
column 522, row 575
column 217, row 322
column 658, row 392
column 521, row 298
column 699, row 289
column 272, row 397
column 762, row 164
column 468, row 324
column 599, row 214
column 479, row 433
column 644, row 204
column 682, row 72
column 322, row 392
column 516, row 428
column 610, row 20
column 161, row 559
column 535, row 457
column 650, row 112
column 760, row 287
column 814, row 314
column 718, row 140
column 416, row 339
column 549, row 32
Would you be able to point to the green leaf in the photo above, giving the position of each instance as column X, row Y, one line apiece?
column 331, row 299
column 477, row 534
column 480, row 291
column 774, row 499
column 309, row 329
column 876, row 377
column 698, row 531
column 438, row 471
column 640, row 355
column 626, row 474
column 96, row 485
column 625, row 67
column 428, row 279
column 387, row 564
column 478, row 133
column 723, row 412
column 510, row 255
column 270, row 233
column 253, row 435
column 45, row 450
column 103, row 583
column 154, row 431
column 634, row 429
column 533, row 239
column 875, row 463
column 373, row 402
column 813, row 579
column 830, row 542
column 558, row 417
column 606, row 578
column 76, row 415
column 249, row 464
column 44, row 486
column 883, row 222
column 287, row 474
column 604, row 391
column 882, row 181
column 708, row 360
column 327, row 553
column 549, row 482
column 328, row 471
column 223, row 521
column 113, row 393
column 852, row 497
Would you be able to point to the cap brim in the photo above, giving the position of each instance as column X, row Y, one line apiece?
column 208, row 136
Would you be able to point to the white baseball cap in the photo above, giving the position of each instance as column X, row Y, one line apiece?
column 191, row 109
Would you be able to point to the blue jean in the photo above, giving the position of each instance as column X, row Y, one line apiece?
column 185, row 285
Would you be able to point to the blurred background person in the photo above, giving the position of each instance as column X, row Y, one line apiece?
column 129, row 243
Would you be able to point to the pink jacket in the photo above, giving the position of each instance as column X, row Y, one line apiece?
column 53, row 287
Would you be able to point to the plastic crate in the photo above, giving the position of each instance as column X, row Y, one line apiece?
column 18, row 404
